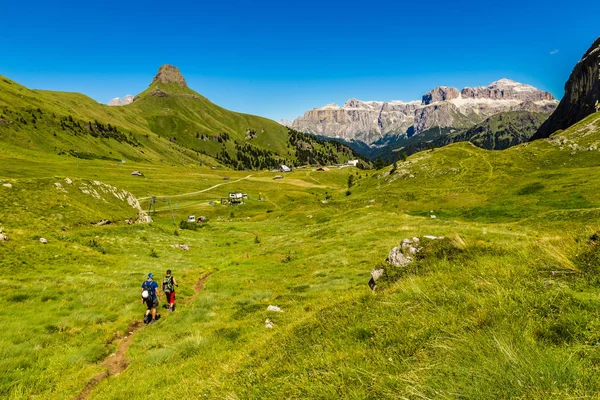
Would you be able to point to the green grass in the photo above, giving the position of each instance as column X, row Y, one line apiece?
column 183, row 128
column 505, row 307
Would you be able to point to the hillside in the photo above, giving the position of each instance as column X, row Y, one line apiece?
column 167, row 123
column 508, row 296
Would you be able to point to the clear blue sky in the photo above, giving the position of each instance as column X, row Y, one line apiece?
column 280, row 58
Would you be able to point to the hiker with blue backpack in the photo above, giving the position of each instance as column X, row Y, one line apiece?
column 151, row 297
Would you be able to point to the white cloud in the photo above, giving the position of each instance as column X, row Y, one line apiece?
column 553, row 52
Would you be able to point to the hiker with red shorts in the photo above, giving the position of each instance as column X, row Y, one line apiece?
column 169, row 284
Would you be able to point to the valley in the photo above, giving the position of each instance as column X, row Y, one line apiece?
column 469, row 267
column 507, row 288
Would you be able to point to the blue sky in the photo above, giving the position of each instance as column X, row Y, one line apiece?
column 280, row 58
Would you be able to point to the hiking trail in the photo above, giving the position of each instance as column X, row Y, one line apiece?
column 117, row 362
column 199, row 191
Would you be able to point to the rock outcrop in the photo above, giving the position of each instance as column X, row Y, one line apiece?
column 169, row 74
column 582, row 91
column 441, row 93
column 366, row 121
column 446, row 107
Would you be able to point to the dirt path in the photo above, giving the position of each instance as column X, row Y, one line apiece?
column 117, row 362
column 199, row 191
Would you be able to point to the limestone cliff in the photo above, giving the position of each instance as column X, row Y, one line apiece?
column 445, row 107
column 582, row 92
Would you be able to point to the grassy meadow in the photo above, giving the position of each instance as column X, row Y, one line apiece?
column 505, row 306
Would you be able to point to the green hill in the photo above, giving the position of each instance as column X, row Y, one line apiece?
column 168, row 123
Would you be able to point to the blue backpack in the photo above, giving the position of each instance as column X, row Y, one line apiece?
column 148, row 285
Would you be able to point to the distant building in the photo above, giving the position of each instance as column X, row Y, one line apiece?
column 233, row 198
column 284, row 168
column 354, row 163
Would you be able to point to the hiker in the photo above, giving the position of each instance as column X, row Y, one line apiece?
column 151, row 297
column 169, row 284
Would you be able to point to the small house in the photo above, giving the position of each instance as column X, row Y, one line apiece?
column 354, row 163
column 284, row 168
column 137, row 173
column 236, row 198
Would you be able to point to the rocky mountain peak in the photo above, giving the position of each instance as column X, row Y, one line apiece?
column 169, row 74
column 582, row 94
column 442, row 93
column 506, row 89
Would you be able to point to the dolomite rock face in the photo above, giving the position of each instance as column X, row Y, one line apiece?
column 169, row 74
column 118, row 102
column 505, row 89
column 582, row 92
column 366, row 121
column 447, row 107
column 441, row 93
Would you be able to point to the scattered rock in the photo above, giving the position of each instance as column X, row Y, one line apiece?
column 159, row 93
column 137, row 173
column 68, row 181
column 274, row 308
column 43, row 241
column 375, row 274
column 7, row 185
column 183, row 247
column 431, row 237
column 268, row 323
column 433, row 216
column 3, row 238
column 104, row 222
column 396, row 257
column 401, row 256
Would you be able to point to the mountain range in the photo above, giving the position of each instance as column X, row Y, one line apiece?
column 379, row 123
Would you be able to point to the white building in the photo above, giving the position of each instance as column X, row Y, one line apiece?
column 354, row 163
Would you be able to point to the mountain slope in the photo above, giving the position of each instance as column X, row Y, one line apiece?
column 499, row 131
column 582, row 94
column 167, row 122
column 74, row 124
